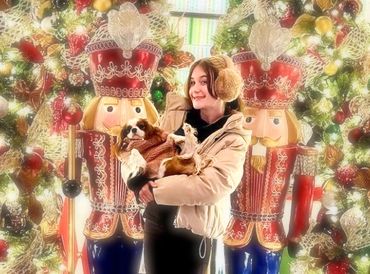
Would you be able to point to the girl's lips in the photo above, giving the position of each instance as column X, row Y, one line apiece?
column 198, row 98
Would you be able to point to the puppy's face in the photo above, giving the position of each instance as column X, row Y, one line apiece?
column 137, row 129
column 133, row 130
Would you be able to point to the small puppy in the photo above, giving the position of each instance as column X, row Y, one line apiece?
column 147, row 152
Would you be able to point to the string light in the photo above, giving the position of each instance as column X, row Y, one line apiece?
column 24, row 111
column 334, row 12
column 338, row 63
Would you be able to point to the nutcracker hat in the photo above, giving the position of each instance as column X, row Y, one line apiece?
column 275, row 88
column 271, row 78
column 123, row 62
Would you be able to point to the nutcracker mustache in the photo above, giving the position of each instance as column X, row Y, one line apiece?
column 113, row 130
column 265, row 141
column 258, row 162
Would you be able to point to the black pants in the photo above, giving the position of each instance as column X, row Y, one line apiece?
column 185, row 252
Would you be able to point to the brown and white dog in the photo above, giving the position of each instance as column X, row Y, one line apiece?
column 147, row 152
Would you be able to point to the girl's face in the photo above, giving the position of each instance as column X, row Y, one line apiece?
column 198, row 90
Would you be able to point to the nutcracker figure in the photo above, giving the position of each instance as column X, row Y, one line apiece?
column 255, row 235
column 122, row 80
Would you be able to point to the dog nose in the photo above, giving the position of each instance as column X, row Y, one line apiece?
column 134, row 130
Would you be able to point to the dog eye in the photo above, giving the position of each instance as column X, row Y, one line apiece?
column 110, row 109
column 138, row 109
column 127, row 130
column 142, row 127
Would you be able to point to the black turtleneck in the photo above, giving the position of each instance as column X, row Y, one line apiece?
column 203, row 128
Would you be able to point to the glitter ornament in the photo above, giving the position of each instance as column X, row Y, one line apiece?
column 346, row 175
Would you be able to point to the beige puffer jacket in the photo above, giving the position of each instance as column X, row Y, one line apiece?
column 204, row 199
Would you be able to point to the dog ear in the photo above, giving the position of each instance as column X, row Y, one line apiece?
column 122, row 139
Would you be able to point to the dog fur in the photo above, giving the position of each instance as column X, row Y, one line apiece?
column 138, row 143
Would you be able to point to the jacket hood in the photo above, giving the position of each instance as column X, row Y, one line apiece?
column 176, row 102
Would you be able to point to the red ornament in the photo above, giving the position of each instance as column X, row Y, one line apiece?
column 346, row 175
column 61, row 170
column 167, row 60
column 59, row 125
column 81, row 4
column 346, row 109
column 144, row 9
column 39, row 151
column 338, row 267
column 4, row 246
column 4, row 148
column 321, row 215
column 355, row 135
column 33, row 161
column 30, row 52
column 341, row 34
column 338, row 236
column 72, row 114
column 352, row 7
column 77, row 43
column 339, row 117
column 289, row 18
column 47, row 83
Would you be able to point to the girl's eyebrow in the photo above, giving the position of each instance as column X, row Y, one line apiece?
column 202, row 76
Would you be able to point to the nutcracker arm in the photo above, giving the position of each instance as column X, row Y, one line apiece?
column 302, row 196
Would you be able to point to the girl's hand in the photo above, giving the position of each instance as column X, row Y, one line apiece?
column 146, row 194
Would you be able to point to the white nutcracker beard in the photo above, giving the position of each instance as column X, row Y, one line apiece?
column 258, row 159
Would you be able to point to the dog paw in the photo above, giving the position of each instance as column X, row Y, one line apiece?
column 177, row 139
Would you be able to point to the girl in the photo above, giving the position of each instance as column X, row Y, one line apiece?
column 184, row 214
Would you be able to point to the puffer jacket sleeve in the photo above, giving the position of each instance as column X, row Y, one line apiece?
column 214, row 182
column 174, row 115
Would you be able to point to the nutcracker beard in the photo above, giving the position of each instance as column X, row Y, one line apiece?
column 258, row 162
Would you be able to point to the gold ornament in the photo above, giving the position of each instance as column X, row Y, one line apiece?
column 330, row 185
column 323, row 25
column 40, row 7
column 362, row 178
column 49, row 230
column 102, row 5
column 54, row 50
column 325, row 4
column 61, row 74
column 332, row 156
column 22, row 126
column 6, row 69
column 305, row 39
column 331, row 69
column 304, row 24
column 44, row 40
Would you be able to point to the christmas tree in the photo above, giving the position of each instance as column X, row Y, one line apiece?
column 43, row 64
column 332, row 39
